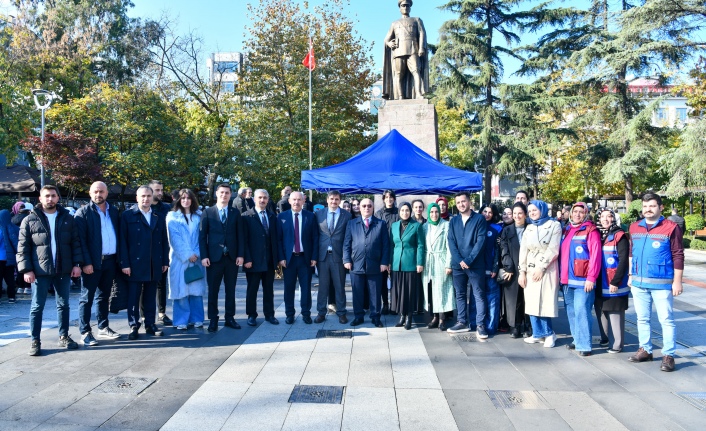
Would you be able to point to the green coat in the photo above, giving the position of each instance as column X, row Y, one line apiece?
column 443, row 297
column 408, row 252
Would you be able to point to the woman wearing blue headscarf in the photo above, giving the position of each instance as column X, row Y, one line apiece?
column 539, row 272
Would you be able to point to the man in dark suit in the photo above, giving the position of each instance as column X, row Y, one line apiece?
column 332, row 223
column 97, row 225
column 244, row 202
column 162, row 209
column 144, row 257
column 366, row 254
column 260, row 239
column 298, row 240
column 221, row 247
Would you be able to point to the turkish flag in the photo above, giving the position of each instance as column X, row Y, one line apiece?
column 310, row 61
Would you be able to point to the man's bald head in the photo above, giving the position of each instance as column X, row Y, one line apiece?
column 98, row 193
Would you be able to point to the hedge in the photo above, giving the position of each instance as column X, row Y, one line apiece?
column 694, row 222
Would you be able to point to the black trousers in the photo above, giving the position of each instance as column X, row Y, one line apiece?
column 7, row 273
column 224, row 270
column 96, row 286
column 161, row 295
column 267, row 278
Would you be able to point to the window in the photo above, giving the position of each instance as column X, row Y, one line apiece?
column 227, row 66
column 681, row 115
column 661, row 115
column 228, row 87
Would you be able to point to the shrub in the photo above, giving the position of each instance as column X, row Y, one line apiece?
column 698, row 244
column 694, row 222
column 686, row 241
column 6, row 202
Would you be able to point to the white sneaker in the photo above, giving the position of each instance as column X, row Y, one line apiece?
column 550, row 340
column 181, row 327
column 28, row 291
column 21, row 290
column 198, row 325
column 532, row 340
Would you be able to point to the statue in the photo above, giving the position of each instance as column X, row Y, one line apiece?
column 406, row 63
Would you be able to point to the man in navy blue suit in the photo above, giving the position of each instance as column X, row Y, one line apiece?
column 366, row 254
column 298, row 239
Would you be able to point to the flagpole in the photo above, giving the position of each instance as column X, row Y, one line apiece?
column 311, row 45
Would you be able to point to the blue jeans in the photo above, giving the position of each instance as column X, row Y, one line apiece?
column 541, row 326
column 492, row 297
column 188, row 309
column 663, row 301
column 39, row 298
column 461, row 279
column 579, row 304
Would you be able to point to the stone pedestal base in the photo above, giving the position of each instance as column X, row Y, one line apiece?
column 416, row 120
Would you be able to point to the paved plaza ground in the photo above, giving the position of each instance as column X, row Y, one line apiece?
column 378, row 378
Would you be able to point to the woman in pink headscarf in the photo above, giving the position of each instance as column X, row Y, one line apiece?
column 444, row 207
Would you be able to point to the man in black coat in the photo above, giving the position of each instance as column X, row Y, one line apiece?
column 221, row 246
column 332, row 222
column 283, row 204
column 366, row 254
column 389, row 214
column 260, row 239
column 97, row 225
column 49, row 252
column 243, row 202
column 162, row 209
column 144, row 257
column 298, row 249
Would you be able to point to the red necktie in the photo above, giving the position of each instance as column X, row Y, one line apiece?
column 367, row 224
column 297, row 247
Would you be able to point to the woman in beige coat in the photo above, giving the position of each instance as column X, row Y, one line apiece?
column 539, row 272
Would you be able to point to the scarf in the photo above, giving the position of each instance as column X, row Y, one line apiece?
column 614, row 227
column 17, row 206
column 404, row 222
column 585, row 207
column 444, row 215
column 543, row 211
column 429, row 207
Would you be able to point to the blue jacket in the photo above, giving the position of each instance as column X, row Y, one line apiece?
column 467, row 243
column 492, row 261
column 367, row 249
column 309, row 235
column 652, row 261
column 12, row 237
column 144, row 248
column 7, row 251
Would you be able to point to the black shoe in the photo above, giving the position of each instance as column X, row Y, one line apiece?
column 442, row 325
column 584, row 353
column 231, row 323
column 401, row 322
column 306, row 319
column 320, row 318
column 67, row 342
column 357, row 321
column 515, row 332
column 153, row 330
column 434, row 323
column 252, row 321
column 273, row 320
column 133, row 333
column 36, row 348
column 408, row 323
column 289, row 320
column 165, row 320
column 571, row 346
column 604, row 343
column 213, row 325
column 342, row 319
column 377, row 323
column 385, row 309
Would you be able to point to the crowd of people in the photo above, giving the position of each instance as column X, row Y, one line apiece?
column 499, row 272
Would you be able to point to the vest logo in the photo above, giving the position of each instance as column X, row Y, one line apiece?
column 490, row 233
column 655, row 244
column 579, row 249
column 610, row 260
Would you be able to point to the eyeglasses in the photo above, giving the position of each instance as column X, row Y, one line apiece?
column 366, row 206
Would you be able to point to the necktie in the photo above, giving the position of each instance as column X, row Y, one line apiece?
column 297, row 246
column 332, row 223
column 223, row 216
column 367, row 223
column 263, row 218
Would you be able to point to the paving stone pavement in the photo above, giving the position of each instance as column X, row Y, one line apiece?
column 392, row 379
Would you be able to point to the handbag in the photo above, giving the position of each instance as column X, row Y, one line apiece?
column 500, row 278
column 192, row 273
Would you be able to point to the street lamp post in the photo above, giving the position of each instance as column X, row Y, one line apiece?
column 48, row 97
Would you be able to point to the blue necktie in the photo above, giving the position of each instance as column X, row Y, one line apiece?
column 223, row 216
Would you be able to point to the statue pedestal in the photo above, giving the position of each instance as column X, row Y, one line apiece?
column 416, row 120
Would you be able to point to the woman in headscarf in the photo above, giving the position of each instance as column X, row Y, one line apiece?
column 443, row 207
column 346, row 206
column 539, row 250
column 580, row 263
column 612, row 296
column 514, row 298
column 492, row 291
column 437, row 281
column 407, row 241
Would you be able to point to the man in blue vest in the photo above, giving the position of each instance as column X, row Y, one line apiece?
column 656, row 268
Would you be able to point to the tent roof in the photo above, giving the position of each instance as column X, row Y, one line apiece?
column 394, row 163
column 19, row 179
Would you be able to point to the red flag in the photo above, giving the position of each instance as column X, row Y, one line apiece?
column 310, row 61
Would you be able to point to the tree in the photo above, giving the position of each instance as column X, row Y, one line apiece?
column 275, row 86
column 71, row 159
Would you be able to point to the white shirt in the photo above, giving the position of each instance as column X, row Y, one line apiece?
column 301, row 246
column 52, row 233
column 148, row 215
column 109, row 240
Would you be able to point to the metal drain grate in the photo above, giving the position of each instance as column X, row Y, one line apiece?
column 317, row 394
column 527, row 400
column 696, row 399
column 464, row 337
column 123, row 385
column 334, row 333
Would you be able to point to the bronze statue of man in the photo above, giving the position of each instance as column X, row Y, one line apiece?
column 406, row 65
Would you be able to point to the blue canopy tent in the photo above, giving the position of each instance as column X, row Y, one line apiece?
column 392, row 163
